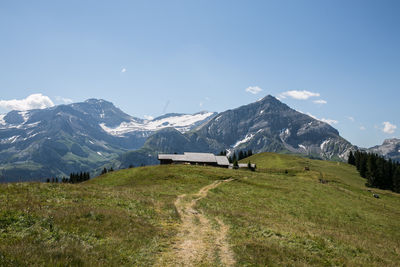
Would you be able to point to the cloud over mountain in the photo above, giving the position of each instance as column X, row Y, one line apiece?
column 34, row 101
column 253, row 90
column 300, row 95
column 388, row 127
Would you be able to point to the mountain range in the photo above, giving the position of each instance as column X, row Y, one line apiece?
column 77, row 137
column 89, row 135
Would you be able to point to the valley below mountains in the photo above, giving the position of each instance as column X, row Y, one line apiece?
column 87, row 136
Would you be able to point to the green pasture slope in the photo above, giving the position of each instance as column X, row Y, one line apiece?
column 279, row 215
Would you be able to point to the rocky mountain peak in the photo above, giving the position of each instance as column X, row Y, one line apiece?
column 392, row 141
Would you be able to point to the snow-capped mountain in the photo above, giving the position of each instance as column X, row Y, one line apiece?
column 181, row 122
column 76, row 137
column 265, row 125
column 270, row 125
column 84, row 136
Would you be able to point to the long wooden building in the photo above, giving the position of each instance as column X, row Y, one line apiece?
column 194, row 159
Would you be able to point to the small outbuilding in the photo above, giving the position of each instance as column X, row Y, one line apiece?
column 246, row 165
column 192, row 158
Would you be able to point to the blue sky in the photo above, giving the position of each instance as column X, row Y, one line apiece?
column 150, row 57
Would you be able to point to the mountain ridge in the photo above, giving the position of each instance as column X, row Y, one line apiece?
column 56, row 141
column 89, row 135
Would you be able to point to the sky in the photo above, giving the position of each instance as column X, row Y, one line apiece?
column 338, row 61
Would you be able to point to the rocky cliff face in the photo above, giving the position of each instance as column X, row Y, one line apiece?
column 266, row 125
column 389, row 149
column 270, row 125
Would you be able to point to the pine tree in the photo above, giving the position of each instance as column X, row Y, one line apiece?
column 240, row 156
column 363, row 165
column 380, row 173
column 371, row 171
column 352, row 159
column 388, row 174
column 396, row 180
column 235, row 164
column 250, row 167
column 72, row 178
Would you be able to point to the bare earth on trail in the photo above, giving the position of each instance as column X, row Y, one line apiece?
column 198, row 243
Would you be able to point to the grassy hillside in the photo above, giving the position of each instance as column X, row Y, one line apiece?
column 274, row 217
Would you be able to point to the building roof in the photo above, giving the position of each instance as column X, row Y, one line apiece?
column 222, row 160
column 174, row 157
column 196, row 157
column 200, row 157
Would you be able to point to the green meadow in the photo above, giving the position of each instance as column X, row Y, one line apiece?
column 281, row 214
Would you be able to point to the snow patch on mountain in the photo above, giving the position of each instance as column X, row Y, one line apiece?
column 303, row 147
column 9, row 140
column 25, row 115
column 2, row 121
column 324, row 143
column 182, row 123
column 244, row 140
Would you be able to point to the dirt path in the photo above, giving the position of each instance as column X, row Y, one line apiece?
column 198, row 242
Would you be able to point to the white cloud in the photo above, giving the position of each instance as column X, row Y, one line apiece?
column 329, row 121
column 148, row 117
column 253, row 90
column 388, row 127
column 201, row 104
column 309, row 114
column 34, row 101
column 320, row 101
column 362, row 128
column 300, row 95
column 123, row 70
column 64, row 100
column 350, row 118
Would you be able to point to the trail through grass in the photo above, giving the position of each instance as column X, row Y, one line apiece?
column 198, row 243
column 280, row 215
